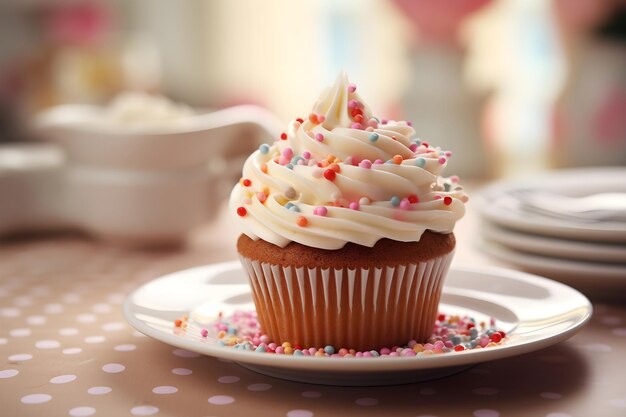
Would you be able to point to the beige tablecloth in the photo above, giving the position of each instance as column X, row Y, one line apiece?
column 67, row 350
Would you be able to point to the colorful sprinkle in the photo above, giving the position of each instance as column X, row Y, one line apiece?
column 246, row 182
column 261, row 196
column 366, row 163
column 264, row 149
column 283, row 136
column 287, row 153
column 241, row 211
column 306, row 155
column 420, row 162
column 302, row 221
column 374, row 137
column 320, row 211
column 413, row 199
column 447, row 200
column 397, row 159
column 300, row 120
column 313, row 118
column 354, row 205
column 451, row 333
column 329, row 174
column 351, row 88
column 395, row 201
column 442, row 160
column 404, row 204
column 356, row 126
column 364, row 201
column 353, row 104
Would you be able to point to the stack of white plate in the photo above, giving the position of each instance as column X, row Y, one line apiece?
column 569, row 225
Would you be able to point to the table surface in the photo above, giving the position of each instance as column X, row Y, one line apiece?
column 67, row 349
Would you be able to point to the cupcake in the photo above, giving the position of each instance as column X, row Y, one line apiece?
column 347, row 228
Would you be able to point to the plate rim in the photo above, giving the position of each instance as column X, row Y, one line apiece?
column 548, row 228
column 364, row 365
column 543, row 245
column 549, row 263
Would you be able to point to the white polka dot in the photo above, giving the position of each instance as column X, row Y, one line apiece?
column 101, row 308
column 68, row 331
column 95, row 339
column 300, row 413
column 221, row 400
column 618, row 402
column 484, row 412
column 63, row 379
column 185, row 353
column 427, row 391
column 47, row 344
column 113, row 368
column 86, row 318
column 99, row 390
column 82, row 411
column 259, row 387
column 8, row 373
column 597, row 347
column 10, row 312
column 550, row 395
column 113, row 326
column 36, row 320
column 620, row 332
column 36, row 398
column 54, row 308
column 21, row 332
column 229, row 379
column 165, row 389
column 125, row 348
column 558, row 415
column 72, row 351
column 311, row 394
column 182, row 371
column 20, row 357
column 23, row 301
column 144, row 410
column 366, row 401
column 3, row 340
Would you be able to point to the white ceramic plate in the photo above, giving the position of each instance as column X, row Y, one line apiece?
column 498, row 203
column 581, row 274
column 553, row 247
column 535, row 312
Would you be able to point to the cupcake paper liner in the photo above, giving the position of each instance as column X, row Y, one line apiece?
column 362, row 308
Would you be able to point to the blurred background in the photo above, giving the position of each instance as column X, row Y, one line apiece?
column 508, row 85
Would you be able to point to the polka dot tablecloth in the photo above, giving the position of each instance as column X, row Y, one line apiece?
column 67, row 351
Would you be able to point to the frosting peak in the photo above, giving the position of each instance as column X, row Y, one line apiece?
column 342, row 175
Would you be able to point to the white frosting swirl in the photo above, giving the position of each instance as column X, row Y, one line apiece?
column 385, row 184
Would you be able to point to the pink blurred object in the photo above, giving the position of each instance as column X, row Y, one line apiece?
column 438, row 21
column 81, row 23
